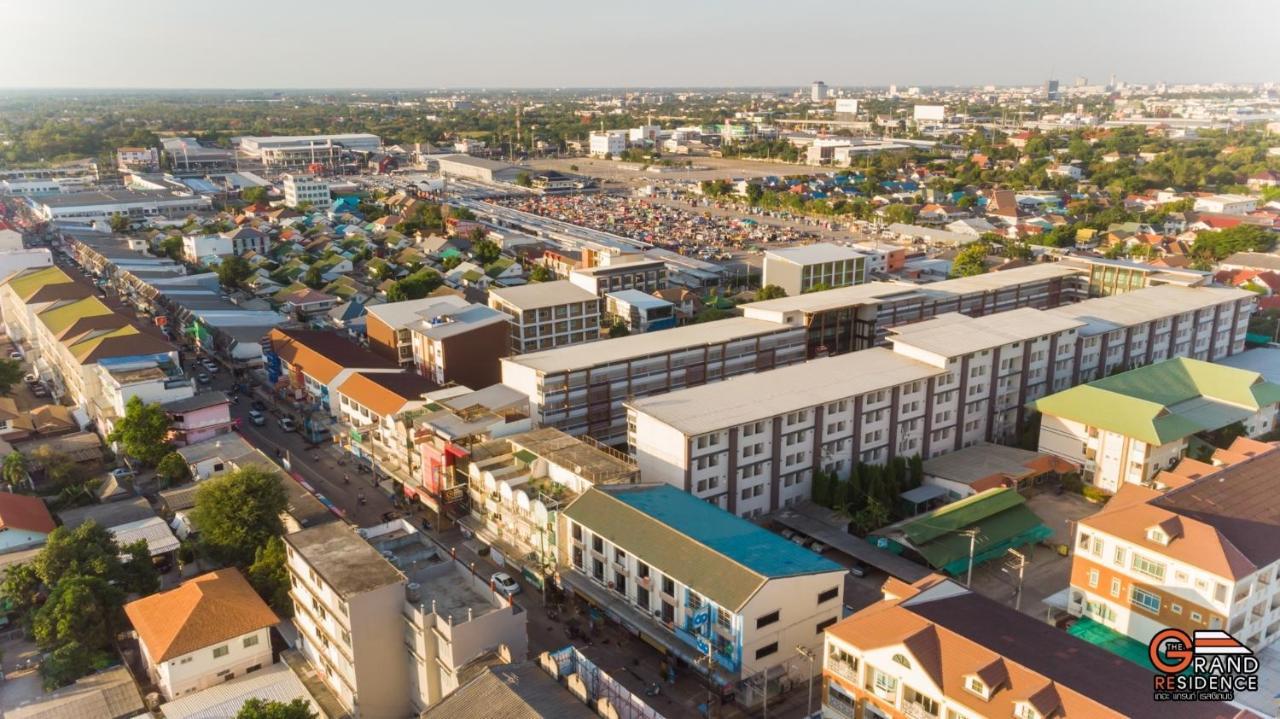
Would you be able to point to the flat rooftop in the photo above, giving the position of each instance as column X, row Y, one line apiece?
column 953, row 334
column 869, row 293
column 602, row 352
column 112, row 197
column 751, row 397
column 1104, row 314
column 344, row 559
column 542, row 294
column 992, row 281
column 814, row 254
column 577, row 454
column 980, row 461
column 637, row 298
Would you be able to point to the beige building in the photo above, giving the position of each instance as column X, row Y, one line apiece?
column 546, row 315
column 211, row 629
column 799, row 269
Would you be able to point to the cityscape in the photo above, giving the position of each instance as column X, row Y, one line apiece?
column 511, row 374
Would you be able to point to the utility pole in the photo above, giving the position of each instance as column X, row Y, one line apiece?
column 807, row 653
column 972, row 534
column 1018, row 562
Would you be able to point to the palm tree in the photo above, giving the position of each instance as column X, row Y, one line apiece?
column 14, row 469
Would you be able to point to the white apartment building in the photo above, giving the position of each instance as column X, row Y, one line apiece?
column 298, row 151
column 1226, row 204
column 349, row 612
column 700, row 581
column 207, row 631
column 608, row 143
column 580, row 389
column 196, row 249
column 546, row 315
column 799, row 269
column 751, row 444
column 308, row 189
column 1203, row 555
column 143, row 157
column 147, row 379
column 621, row 272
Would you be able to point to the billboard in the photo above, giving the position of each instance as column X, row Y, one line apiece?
column 847, row 105
column 930, row 113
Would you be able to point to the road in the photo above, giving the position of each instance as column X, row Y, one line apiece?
column 626, row 658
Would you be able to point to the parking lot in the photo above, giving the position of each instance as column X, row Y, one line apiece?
column 1046, row 571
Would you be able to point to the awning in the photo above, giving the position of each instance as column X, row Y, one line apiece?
column 923, row 493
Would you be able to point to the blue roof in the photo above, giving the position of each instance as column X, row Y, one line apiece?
column 755, row 548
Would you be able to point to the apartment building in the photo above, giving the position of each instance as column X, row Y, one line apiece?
column 370, row 407
column 607, row 143
column 1203, row 555
column 751, row 444
column 140, row 158
column 205, row 249
column 640, row 312
column 306, row 190
column 936, row 650
column 700, row 581
column 207, row 631
column 621, row 272
column 1156, row 323
column 580, row 389
column 853, row 318
column 349, row 612
column 1002, row 362
column 827, row 266
column 546, row 315
column 199, row 417
column 519, row 484
column 150, row 380
column 1127, row 427
column 446, row 338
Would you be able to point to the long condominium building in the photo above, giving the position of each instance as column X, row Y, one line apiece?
column 752, row 443
column 580, row 389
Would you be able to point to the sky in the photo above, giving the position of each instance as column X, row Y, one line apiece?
column 283, row 44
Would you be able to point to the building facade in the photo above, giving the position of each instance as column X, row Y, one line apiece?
column 800, row 269
column 546, row 315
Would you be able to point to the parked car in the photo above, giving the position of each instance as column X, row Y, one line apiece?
column 122, row 472
column 203, row 378
column 800, row 539
column 39, row 390
column 788, row 533
column 31, row 378
column 257, row 417
column 817, row 547
column 209, row 365
column 858, row 569
column 287, row 424
column 502, row 582
column 15, row 355
column 258, row 405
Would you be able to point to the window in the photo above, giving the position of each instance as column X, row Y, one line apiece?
column 822, row 625
column 1148, row 567
column 222, row 651
column 1115, row 587
column 902, row 659
column 1175, row 608
column 1195, row 617
column 577, row 532
column 767, row 619
column 668, row 586
column 1026, row 711
column 1093, row 578
column 766, row 650
column 977, row 686
column 1119, row 559
column 251, row 641
column 828, row 595
column 1148, row 601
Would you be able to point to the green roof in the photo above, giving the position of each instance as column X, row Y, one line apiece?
column 26, row 283
column 1164, row 402
column 60, row 318
column 471, row 275
column 958, row 515
column 1000, row 516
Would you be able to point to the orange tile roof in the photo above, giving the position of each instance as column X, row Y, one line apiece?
column 204, row 611
column 377, row 397
column 19, row 511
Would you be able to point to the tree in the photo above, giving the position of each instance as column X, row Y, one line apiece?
column 173, row 469
column 871, row 517
column 618, row 329
column 313, row 277
column 711, row 314
column 524, row 180
column 233, row 270
column 770, row 292
column 10, row 374
column 261, row 709
column 239, row 512
column 896, row 213
column 971, row 260
column 486, row 251
column 254, row 195
column 119, row 223
column 396, row 293
column 270, row 577
column 15, row 469
column 69, row 662
column 171, row 247
column 817, row 287
column 143, row 431
column 540, row 273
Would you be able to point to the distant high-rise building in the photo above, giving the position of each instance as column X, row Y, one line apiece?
column 893, row 91
column 818, row 91
column 1081, row 81
column 1051, row 89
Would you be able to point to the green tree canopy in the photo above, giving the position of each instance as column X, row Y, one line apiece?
column 618, row 329
column 970, row 260
column 260, row 709
column 238, row 513
column 119, row 223
column 233, row 270
column 173, row 469
column 14, row 470
column 254, row 195
column 486, row 251
column 10, row 374
column 770, row 292
column 270, row 577
column 143, row 431
column 540, row 273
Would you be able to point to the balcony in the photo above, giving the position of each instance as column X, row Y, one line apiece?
column 845, row 670
column 914, row 710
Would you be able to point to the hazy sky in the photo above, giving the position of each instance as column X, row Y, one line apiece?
column 570, row 43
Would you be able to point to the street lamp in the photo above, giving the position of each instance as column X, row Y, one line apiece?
column 807, row 653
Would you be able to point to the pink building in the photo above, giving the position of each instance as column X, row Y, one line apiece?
column 198, row 418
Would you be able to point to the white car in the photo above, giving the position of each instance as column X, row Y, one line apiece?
column 257, row 417
column 287, row 424
column 502, row 582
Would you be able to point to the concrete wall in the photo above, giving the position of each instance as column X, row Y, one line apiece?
column 200, row 669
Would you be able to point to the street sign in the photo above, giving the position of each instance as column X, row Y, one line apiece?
column 702, row 644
